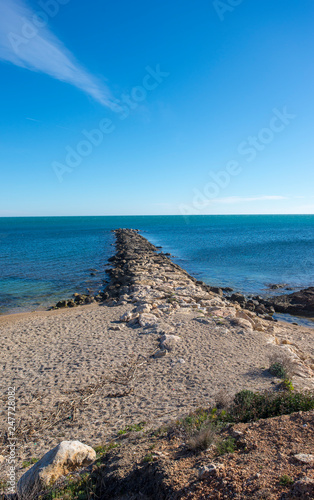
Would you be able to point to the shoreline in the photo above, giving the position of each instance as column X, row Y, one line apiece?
column 14, row 317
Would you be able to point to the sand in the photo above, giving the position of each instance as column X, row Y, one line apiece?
column 54, row 357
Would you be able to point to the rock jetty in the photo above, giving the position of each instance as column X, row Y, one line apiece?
column 155, row 287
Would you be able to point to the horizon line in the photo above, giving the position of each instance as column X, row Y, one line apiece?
column 149, row 215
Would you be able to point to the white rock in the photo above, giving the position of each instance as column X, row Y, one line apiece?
column 169, row 341
column 206, row 471
column 143, row 308
column 64, row 458
column 242, row 323
column 305, row 458
column 2, row 459
column 147, row 320
column 243, row 315
column 126, row 316
column 222, row 312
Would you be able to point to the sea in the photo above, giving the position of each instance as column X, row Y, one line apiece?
column 45, row 259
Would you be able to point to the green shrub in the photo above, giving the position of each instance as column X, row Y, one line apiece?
column 226, row 446
column 281, row 365
column 250, row 406
column 244, row 398
column 278, row 370
column 287, row 385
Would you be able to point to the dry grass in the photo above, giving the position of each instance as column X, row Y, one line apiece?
column 203, row 439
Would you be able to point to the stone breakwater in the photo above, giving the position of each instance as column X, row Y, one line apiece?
column 156, row 287
column 147, row 278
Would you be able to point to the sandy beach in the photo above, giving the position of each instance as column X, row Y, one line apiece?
column 87, row 372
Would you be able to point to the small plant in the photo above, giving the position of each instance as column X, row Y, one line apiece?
column 74, row 489
column 226, row 446
column 130, row 428
column 148, row 458
column 278, row 370
column 3, row 485
column 195, row 421
column 172, row 299
column 161, row 431
column 29, row 462
column 287, row 385
column 223, row 400
column 285, row 480
column 103, row 449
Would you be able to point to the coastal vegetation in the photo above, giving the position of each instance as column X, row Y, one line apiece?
column 204, row 429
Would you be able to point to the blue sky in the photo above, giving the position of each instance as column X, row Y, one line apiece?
column 111, row 108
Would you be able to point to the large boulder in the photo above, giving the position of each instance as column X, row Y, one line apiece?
column 64, row 458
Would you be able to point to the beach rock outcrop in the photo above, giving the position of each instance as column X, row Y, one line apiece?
column 64, row 458
column 300, row 303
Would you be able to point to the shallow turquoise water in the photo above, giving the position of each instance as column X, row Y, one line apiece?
column 45, row 259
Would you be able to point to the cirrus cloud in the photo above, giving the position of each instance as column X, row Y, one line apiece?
column 25, row 44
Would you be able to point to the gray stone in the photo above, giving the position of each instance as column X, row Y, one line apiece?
column 160, row 353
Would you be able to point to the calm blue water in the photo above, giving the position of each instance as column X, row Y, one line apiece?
column 46, row 259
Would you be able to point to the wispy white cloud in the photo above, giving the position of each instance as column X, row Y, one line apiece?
column 35, row 48
column 239, row 199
